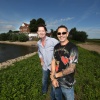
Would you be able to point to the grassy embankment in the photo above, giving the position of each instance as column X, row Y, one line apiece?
column 97, row 41
column 22, row 81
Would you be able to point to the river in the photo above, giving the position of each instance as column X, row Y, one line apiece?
column 10, row 51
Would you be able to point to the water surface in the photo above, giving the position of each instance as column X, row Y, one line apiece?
column 10, row 51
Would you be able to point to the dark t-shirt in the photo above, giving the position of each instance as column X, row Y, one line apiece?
column 64, row 55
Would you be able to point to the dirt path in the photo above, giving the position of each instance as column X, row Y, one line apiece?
column 90, row 46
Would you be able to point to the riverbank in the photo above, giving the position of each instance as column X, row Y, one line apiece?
column 12, row 61
column 27, row 43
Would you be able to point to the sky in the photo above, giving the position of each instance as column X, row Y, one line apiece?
column 84, row 15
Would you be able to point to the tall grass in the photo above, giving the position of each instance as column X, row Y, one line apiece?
column 22, row 81
column 88, row 76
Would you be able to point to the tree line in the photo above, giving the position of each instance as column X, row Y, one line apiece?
column 74, row 34
column 13, row 37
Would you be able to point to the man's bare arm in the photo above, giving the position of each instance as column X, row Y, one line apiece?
column 54, row 81
column 66, row 71
column 52, row 69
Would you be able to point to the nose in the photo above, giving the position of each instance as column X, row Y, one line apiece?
column 61, row 35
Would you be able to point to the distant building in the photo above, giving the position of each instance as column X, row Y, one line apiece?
column 24, row 28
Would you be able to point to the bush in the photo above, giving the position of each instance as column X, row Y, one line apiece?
column 14, row 37
column 3, row 37
column 22, row 37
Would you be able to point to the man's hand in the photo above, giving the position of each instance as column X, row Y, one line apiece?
column 42, row 63
column 55, row 83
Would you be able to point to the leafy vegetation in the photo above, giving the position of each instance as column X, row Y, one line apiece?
column 95, row 41
column 34, row 23
column 88, row 76
column 14, row 37
column 78, row 35
column 22, row 81
column 22, row 37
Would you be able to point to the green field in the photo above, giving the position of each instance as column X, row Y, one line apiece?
column 22, row 81
column 94, row 41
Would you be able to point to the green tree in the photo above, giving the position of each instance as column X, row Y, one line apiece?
column 73, row 30
column 54, row 34
column 82, row 36
column 3, row 37
column 77, row 35
column 52, row 31
column 10, row 31
column 33, row 25
column 9, row 36
column 14, row 37
column 40, row 21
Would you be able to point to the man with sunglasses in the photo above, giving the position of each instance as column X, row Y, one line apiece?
column 64, row 64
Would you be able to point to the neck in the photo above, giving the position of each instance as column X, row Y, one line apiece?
column 42, row 39
column 64, row 42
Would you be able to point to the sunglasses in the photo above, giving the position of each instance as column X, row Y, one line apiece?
column 63, row 33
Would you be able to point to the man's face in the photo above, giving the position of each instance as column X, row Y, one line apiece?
column 41, row 32
column 62, row 34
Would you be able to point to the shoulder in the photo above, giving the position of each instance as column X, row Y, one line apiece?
column 71, row 46
column 51, row 38
column 57, row 45
column 38, row 42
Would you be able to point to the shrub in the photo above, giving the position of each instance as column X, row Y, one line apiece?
column 14, row 37
column 3, row 37
column 22, row 37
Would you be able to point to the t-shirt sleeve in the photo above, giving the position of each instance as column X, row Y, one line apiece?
column 53, row 53
column 73, row 55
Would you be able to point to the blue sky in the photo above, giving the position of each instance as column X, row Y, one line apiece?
column 82, row 14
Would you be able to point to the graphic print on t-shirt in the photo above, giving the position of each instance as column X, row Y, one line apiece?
column 65, row 60
column 64, row 56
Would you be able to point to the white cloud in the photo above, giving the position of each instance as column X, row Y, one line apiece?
column 55, row 23
column 8, row 22
column 5, row 25
column 6, row 28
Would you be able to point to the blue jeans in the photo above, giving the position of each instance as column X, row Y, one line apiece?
column 46, row 74
column 68, row 93
column 56, row 93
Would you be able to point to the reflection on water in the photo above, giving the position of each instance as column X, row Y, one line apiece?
column 9, row 51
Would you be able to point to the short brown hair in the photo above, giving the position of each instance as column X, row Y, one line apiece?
column 62, row 26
